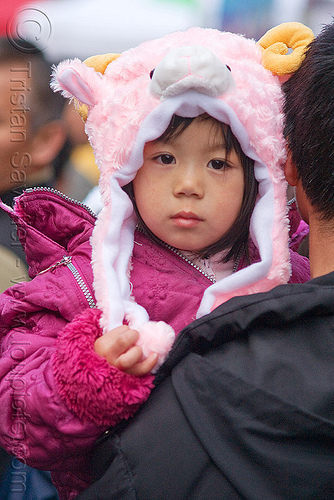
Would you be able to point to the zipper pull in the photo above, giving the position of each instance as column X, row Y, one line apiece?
column 63, row 262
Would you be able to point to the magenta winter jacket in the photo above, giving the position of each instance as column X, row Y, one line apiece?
column 57, row 394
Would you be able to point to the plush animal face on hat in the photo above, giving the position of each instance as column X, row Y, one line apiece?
column 130, row 100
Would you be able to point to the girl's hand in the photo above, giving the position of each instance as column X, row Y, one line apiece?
column 119, row 348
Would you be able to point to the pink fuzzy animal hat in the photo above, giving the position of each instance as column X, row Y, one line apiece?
column 127, row 105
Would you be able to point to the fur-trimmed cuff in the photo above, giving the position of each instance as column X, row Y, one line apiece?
column 92, row 388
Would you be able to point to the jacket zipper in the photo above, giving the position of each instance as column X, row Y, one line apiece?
column 67, row 261
column 63, row 196
column 188, row 261
column 183, row 257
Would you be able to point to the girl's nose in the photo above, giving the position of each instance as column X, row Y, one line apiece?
column 188, row 182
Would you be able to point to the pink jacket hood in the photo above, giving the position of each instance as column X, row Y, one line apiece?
column 196, row 71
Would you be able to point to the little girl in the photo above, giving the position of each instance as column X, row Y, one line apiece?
column 187, row 133
column 190, row 175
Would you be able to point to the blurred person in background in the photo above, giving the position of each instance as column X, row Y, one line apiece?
column 31, row 137
column 76, row 171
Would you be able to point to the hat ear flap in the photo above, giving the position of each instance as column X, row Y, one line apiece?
column 276, row 43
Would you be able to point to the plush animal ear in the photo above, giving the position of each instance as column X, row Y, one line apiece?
column 276, row 43
column 80, row 80
column 75, row 80
column 99, row 63
column 73, row 84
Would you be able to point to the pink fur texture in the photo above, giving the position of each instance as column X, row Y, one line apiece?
column 86, row 381
column 157, row 337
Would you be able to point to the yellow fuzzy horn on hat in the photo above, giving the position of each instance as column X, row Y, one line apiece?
column 99, row 63
column 276, row 43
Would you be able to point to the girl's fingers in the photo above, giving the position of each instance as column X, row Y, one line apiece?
column 143, row 367
column 116, row 342
column 130, row 358
column 122, row 338
column 119, row 349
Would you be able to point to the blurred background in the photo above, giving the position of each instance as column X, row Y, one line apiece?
column 80, row 28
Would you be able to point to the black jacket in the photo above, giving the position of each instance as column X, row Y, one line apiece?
column 243, row 408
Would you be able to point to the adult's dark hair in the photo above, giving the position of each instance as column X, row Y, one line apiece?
column 309, row 122
column 44, row 105
column 236, row 239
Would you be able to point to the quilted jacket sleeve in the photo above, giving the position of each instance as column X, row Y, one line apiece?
column 56, row 394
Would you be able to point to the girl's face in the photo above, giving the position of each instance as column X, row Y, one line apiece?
column 187, row 191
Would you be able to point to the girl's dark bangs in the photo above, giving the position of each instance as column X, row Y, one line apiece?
column 176, row 127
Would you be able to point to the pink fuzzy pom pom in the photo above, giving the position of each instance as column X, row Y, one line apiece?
column 156, row 337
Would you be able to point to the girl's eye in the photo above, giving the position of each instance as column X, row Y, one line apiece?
column 165, row 159
column 218, row 164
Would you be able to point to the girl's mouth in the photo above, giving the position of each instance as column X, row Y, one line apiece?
column 186, row 219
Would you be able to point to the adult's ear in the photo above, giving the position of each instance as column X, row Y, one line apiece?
column 46, row 144
column 290, row 171
column 291, row 174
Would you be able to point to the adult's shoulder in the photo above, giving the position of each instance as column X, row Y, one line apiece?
column 303, row 304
